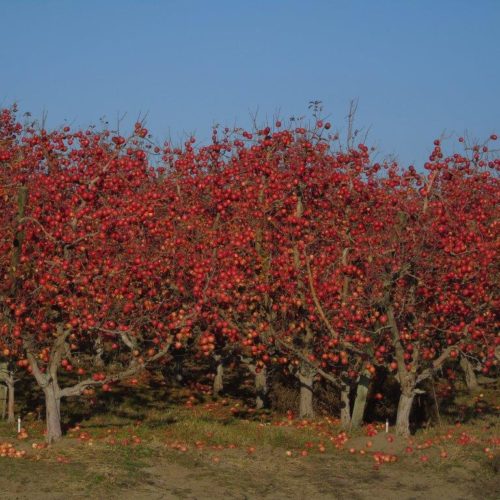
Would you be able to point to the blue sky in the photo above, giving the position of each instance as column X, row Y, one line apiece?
column 418, row 68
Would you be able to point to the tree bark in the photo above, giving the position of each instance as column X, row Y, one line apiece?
column 4, row 389
column 11, row 400
column 470, row 376
column 99, row 350
column 53, row 412
column 218, row 385
column 358, row 411
column 7, row 377
column 407, row 380
column 261, row 388
column 403, row 416
column 306, row 378
column 345, row 404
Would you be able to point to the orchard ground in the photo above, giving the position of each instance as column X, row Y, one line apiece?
column 190, row 446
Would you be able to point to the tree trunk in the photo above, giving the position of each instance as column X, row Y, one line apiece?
column 260, row 388
column 306, row 377
column 218, row 385
column 10, row 403
column 345, row 404
column 358, row 411
column 4, row 389
column 53, row 412
column 404, row 410
column 99, row 349
column 7, row 377
column 470, row 376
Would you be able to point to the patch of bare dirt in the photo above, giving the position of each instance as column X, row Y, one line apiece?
column 233, row 474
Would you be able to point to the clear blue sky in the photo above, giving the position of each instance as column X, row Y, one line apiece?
column 417, row 67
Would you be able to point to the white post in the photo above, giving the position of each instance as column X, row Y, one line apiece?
column 386, row 425
column 18, row 425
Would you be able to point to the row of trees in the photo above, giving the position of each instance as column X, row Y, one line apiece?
column 273, row 248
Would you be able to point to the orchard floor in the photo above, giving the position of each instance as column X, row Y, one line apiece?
column 265, row 475
column 207, row 450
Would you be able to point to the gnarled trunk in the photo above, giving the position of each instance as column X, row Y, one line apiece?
column 407, row 379
column 3, row 389
column 404, row 411
column 99, row 350
column 218, row 384
column 358, row 411
column 306, row 378
column 260, row 388
column 11, row 400
column 345, row 404
column 470, row 376
column 53, row 412
column 7, row 378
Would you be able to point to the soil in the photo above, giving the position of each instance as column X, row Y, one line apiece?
column 267, row 474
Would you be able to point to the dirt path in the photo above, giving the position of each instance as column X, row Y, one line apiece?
column 321, row 478
column 237, row 476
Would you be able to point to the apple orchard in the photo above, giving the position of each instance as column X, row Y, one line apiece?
column 275, row 249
